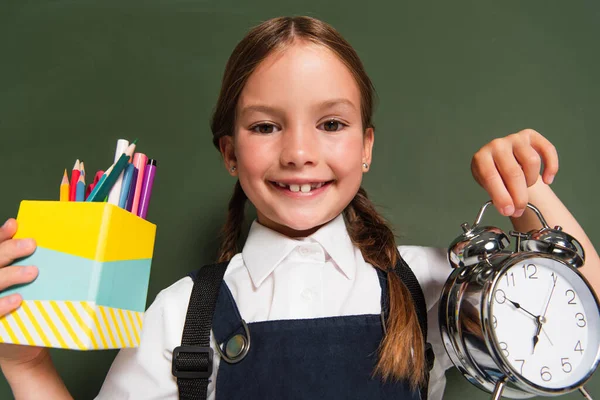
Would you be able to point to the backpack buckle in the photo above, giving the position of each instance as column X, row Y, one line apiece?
column 192, row 362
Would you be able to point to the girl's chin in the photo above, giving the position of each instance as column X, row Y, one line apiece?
column 299, row 226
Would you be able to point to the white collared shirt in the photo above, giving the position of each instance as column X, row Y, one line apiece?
column 276, row 277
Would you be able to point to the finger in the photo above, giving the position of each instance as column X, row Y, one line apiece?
column 487, row 175
column 8, row 230
column 9, row 303
column 514, row 180
column 13, row 249
column 549, row 156
column 15, row 275
column 530, row 162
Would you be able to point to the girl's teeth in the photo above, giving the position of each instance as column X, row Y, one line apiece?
column 305, row 188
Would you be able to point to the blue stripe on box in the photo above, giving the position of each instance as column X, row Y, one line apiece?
column 118, row 284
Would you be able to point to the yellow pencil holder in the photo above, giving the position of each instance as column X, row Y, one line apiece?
column 94, row 266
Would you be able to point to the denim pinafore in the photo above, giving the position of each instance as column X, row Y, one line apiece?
column 319, row 358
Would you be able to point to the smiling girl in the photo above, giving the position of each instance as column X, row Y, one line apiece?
column 294, row 125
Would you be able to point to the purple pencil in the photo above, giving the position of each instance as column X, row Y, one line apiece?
column 131, row 195
column 146, row 192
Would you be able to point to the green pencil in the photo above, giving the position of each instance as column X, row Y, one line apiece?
column 110, row 180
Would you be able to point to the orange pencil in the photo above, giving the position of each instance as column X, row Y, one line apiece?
column 64, row 187
column 74, row 179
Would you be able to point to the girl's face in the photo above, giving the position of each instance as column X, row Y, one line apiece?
column 299, row 146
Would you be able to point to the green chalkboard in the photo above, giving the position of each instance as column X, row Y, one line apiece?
column 77, row 75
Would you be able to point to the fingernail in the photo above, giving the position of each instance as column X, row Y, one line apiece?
column 519, row 212
column 5, row 223
column 27, row 270
column 12, row 299
column 24, row 243
column 550, row 179
column 509, row 210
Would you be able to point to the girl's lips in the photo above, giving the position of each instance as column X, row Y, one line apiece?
column 300, row 194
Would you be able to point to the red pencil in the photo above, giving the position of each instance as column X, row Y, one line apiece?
column 74, row 180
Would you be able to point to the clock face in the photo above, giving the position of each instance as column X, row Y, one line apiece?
column 546, row 323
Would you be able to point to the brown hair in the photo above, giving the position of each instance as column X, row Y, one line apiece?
column 401, row 354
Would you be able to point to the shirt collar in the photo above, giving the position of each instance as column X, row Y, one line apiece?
column 335, row 240
column 265, row 248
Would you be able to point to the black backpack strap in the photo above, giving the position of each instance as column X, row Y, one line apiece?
column 412, row 284
column 193, row 361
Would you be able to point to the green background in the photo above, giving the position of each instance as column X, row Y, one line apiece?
column 77, row 75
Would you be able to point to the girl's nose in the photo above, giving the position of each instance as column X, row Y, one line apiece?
column 300, row 147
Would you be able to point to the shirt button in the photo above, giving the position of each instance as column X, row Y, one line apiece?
column 307, row 294
column 304, row 251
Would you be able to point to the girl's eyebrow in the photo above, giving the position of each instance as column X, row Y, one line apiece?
column 273, row 110
column 336, row 102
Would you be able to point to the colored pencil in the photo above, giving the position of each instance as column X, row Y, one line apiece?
column 74, row 179
column 80, row 191
column 97, row 187
column 126, row 185
column 64, row 187
column 92, row 185
column 131, row 195
column 109, row 182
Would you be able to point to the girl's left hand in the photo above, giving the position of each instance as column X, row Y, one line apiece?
column 507, row 166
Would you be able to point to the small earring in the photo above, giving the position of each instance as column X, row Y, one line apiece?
column 365, row 165
column 233, row 168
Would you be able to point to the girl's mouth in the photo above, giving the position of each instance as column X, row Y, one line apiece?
column 312, row 187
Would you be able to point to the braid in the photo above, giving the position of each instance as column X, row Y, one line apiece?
column 401, row 354
column 232, row 230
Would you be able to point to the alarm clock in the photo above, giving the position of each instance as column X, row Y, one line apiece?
column 524, row 322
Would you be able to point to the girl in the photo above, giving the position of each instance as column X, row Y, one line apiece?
column 294, row 125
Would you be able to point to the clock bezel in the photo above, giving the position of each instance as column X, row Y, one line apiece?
column 492, row 342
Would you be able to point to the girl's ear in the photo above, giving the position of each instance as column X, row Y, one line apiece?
column 368, row 140
column 228, row 152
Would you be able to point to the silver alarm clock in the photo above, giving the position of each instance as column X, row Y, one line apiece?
column 523, row 322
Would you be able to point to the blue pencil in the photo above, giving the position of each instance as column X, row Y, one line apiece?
column 80, row 189
column 126, row 185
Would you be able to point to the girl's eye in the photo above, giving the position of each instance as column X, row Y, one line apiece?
column 263, row 128
column 333, row 125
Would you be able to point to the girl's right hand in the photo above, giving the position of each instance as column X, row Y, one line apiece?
column 10, row 250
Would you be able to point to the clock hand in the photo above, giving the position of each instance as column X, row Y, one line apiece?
column 543, row 317
column 536, row 338
column 547, row 337
column 517, row 305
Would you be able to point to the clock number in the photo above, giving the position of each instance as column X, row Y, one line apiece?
column 522, row 364
column 568, row 293
column 578, row 347
column 566, row 365
column 554, row 278
column 511, row 279
column 495, row 322
column 504, row 348
column 580, row 320
column 545, row 374
column 500, row 296
column 530, row 269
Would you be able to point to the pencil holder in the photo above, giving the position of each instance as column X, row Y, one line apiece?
column 94, row 265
